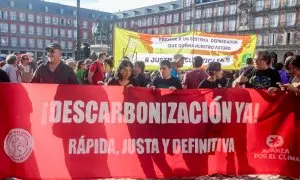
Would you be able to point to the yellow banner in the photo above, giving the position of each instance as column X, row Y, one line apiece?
column 230, row 50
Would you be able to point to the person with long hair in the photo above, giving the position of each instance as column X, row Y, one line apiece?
column 214, row 79
column 123, row 75
column 80, row 67
column 25, row 70
column 294, row 86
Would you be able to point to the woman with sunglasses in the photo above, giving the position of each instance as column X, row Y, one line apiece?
column 25, row 70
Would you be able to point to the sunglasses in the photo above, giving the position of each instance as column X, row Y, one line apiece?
column 26, row 59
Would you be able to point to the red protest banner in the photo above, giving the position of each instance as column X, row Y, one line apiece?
column 66, row 131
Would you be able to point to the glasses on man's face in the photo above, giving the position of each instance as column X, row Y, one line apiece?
column 26, row 59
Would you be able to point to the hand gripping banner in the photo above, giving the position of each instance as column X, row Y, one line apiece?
column 89, row 132
column 231, row 51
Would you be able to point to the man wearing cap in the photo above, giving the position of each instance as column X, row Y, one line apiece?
column 54, row 71
column 178, row 61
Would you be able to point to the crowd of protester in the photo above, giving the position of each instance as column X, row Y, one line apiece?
column 264, row 71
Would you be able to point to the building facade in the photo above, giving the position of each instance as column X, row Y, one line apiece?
column 31, row 25
column 276, row 22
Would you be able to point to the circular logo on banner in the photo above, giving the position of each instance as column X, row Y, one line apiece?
column 18, row 145
column 274, row 141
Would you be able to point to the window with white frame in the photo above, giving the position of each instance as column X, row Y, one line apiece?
column 31, row 43
column 169, row 18
column 31, row 30
column 187, row 15
column 4, row 41
column 22, row 29
column 55, row 20
column 13, row 41
column 291, row 3
column 220, row 26
column 47, row 42
column 149, row 21
column 30, row 18
column 208, row 12
column 187, row 28
column 69, row 22
column 259, row 5
column 176, row 18
column 4, row 27
column 13, row 15
column 275, row 4
column 75, row 34
column 232, row 9
column 259, row 40
column 40, row 43
column 188, row 3
column 274, row 20
column 162, row 30
column 198, row 14
column 85, row 35
column 3, row 14
column 131, row 23
column 290, row 19
column 39, row 19
column 208, row 27
column 144, row 22
column 124, row 24
column 169, row 30
column 70, row 33
column 70, row 45
column 220, row 11
column 48, row 31
column 61, row 11
column 63, row 44
column 75, row 23
column 22, row 16
column 47, row 20
column 149, row 31
column 155, row 30
column 139, row 23
column 155, row 20
column 23, row 42
column 258, row 22
column 62, row 21
column 30, row 6
column 46, row 9
column 85, row 24
column 174, row 29
column 231, row 25
column 55, row 32
column 197, row 27
column 39, row 30
column 13, row 28
column 162, row 19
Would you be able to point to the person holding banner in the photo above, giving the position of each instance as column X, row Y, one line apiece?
column 165, row 80
column 261, row 76
column 140, row 80
column 294, row 86
column 123, row 75
column 215, row 77
column 54, row 71
column 178, row 61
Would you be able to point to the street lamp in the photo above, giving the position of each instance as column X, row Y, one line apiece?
column 78, row 38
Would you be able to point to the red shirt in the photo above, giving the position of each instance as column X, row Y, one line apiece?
column 97, row 69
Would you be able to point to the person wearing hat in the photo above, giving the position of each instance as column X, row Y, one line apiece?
column 178, row 61
column 54, row 71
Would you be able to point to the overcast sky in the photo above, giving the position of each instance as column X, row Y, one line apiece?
column 111, row 5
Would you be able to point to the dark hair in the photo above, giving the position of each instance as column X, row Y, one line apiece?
column 165, row 63
column 101, row 54
column 125, row 58
column 287, row 54
column 249, row 61
column 23, row 56
column 213, row 67
column 264, row 55
column 140, row 64
column 123, row 64
column 11, row 59
column 15, row 53
column 296, row 61
column 109, row 62
column 271, row 56
column 197, row 61
column 79, row 63
column 278, row 66
column 2, row 63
